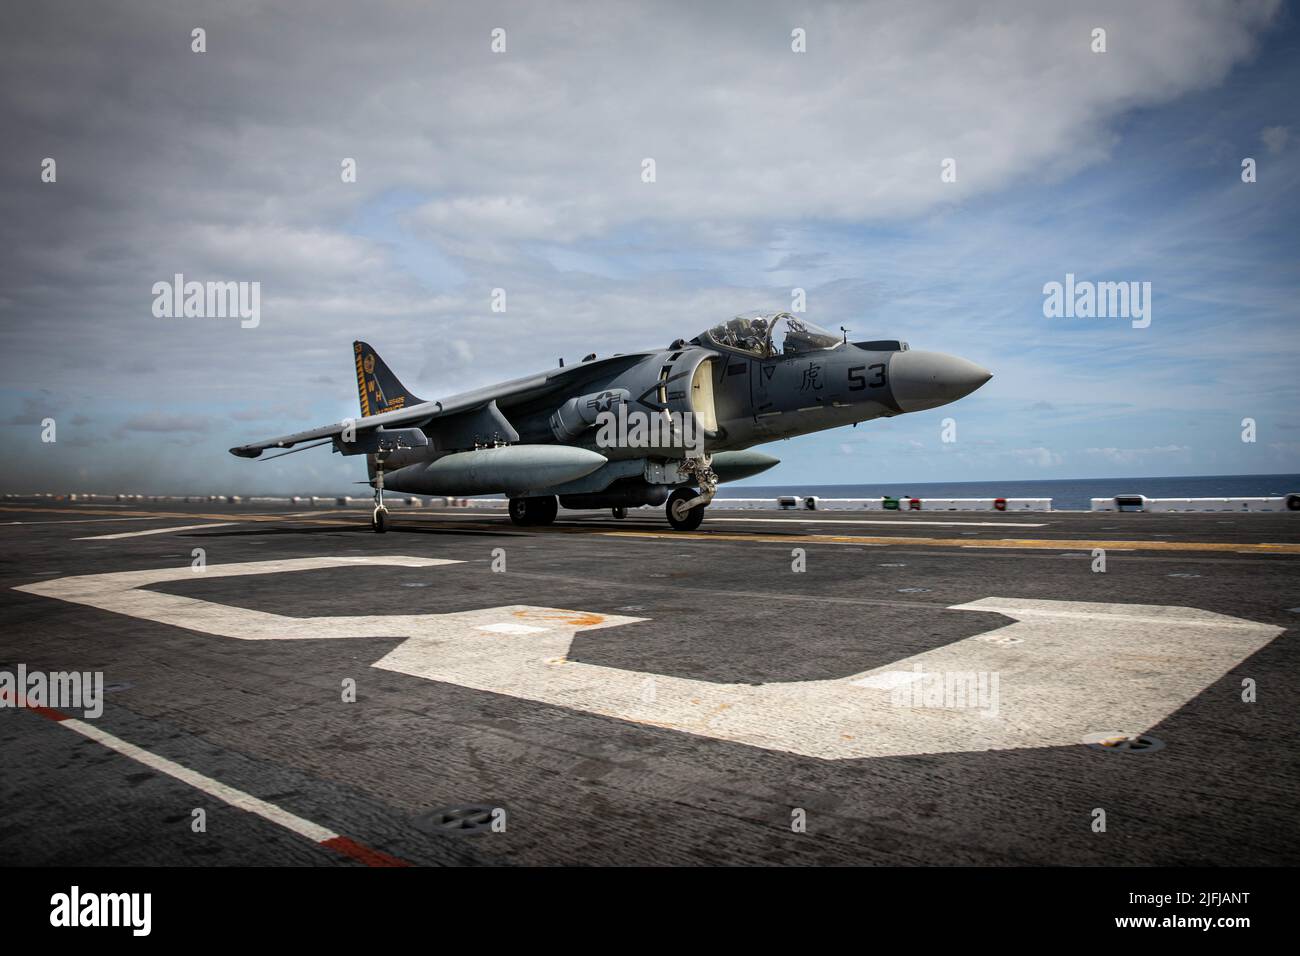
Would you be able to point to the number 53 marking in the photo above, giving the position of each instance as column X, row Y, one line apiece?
column 858, row 380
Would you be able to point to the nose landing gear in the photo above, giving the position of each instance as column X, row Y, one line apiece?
column 685, row 506
column 681, row 514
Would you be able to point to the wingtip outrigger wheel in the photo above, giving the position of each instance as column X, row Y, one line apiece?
column 379, row 517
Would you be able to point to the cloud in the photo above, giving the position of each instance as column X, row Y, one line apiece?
column 1275, row 138
column 36, row 410
column 263, row 413
column 800, row 261
column 523, row 171
column 1038, row 457
column 162, row 422
column 1129, row 456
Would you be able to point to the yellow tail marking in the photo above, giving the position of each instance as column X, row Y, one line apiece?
column 361, row 388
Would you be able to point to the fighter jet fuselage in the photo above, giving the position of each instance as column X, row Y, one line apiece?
column 635, row 429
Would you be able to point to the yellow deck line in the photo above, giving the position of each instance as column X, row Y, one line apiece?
column 1039, row 544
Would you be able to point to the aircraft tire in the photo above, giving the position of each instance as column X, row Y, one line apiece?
column 689, row 520
column 620, row 512
column 379, row 520
column 534, row 511
column 543, row 510
column 519, row 511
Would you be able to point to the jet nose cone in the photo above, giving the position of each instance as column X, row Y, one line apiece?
column 922, row 380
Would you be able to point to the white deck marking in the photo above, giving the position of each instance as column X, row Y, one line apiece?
column 475, row 513
column 1065, row 669
column 122, row 593
column 223, row 792
column 507, row 628
column 88, row 520
column 141, row 534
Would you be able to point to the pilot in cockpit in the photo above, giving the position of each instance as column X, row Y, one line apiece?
column 747, row 334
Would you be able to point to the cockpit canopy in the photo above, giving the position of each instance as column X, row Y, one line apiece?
column 769, row 336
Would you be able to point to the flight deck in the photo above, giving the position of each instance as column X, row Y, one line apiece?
column 281, row 685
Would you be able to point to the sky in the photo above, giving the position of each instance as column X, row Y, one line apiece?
column 522, row 169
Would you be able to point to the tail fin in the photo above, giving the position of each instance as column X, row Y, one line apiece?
column 379, row 389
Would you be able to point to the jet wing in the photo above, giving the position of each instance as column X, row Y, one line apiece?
column 416, row 415
column 520, row 391
column 515, row 392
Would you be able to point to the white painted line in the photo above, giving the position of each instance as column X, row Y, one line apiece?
column 506, row 627
column 124, row 592
column 896, row 522
column 141, row 534
column 888, row 680
column 226, row 794
column 457, row 514
column 1155, row 614
column 89, row 520
column 1063, row 668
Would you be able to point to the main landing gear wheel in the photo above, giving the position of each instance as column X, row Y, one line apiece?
column 534, row 511
column 620, row 512
column 679, row 516
column 379, row 520
column 518, row 510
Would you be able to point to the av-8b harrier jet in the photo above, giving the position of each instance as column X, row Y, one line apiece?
column 666, row 425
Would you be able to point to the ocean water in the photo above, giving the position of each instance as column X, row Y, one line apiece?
column 1067, row 494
